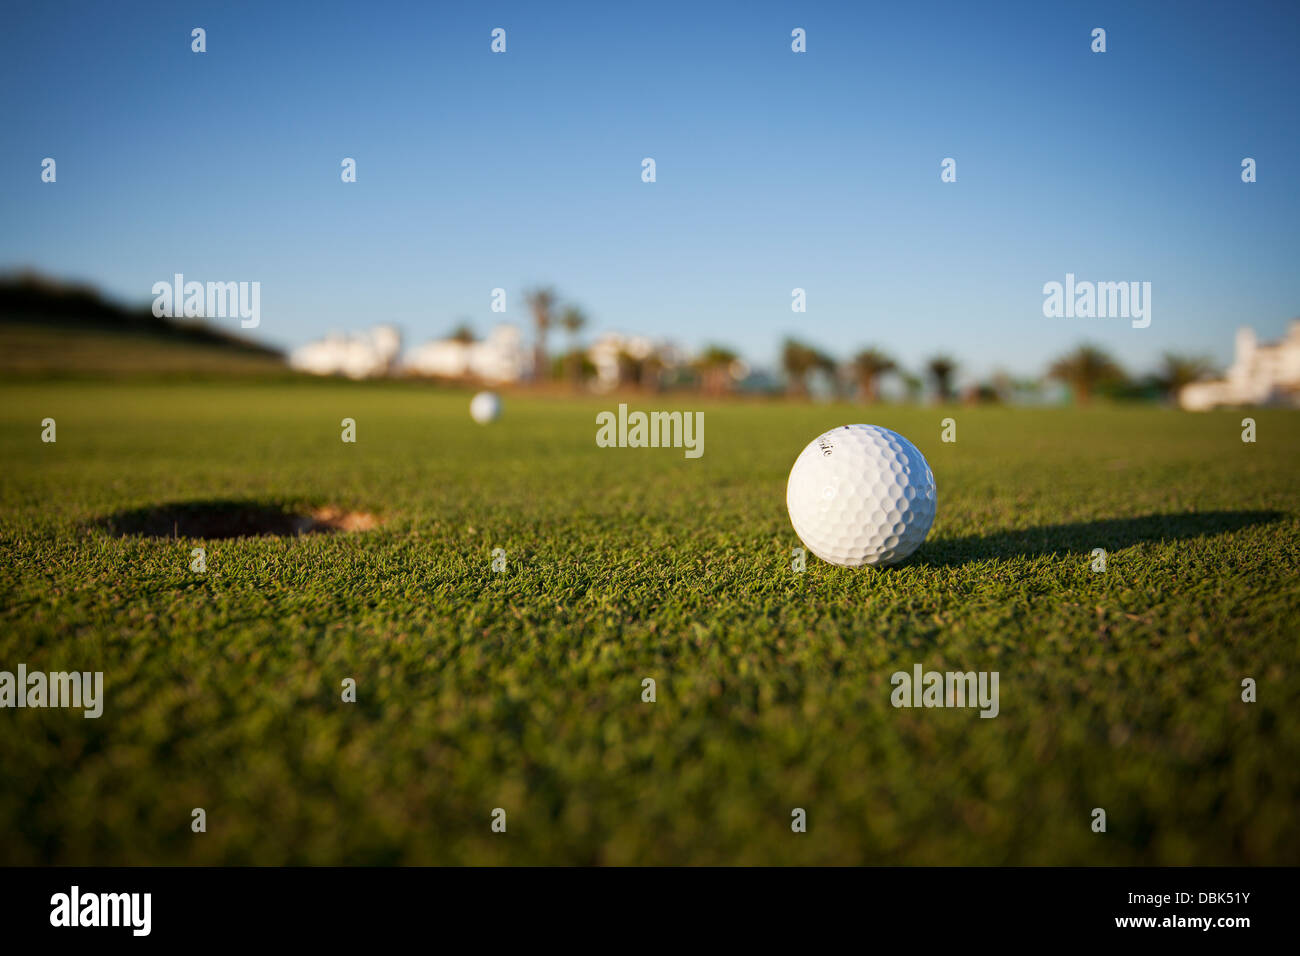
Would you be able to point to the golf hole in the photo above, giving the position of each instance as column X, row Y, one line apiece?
column 234, row 519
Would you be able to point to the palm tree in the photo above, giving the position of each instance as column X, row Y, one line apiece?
column 913, row 385
column 941, row 370
column 1179, row 370
column 629, row 367
column 714, row 365
column 868, row 365
column 799, row 360
column 1084, row 369
column 462, row 333
column 541, row 301
column 573, row 320
column 652, row 372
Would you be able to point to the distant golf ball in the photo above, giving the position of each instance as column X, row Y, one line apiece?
column 861, row 495
column 485, row 407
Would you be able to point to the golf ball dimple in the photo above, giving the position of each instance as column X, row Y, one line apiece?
column 485, row 407
column 861, row 495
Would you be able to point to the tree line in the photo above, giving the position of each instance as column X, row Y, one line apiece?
column 1088, row 371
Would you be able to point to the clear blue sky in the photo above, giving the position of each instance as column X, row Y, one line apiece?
column 775, row 170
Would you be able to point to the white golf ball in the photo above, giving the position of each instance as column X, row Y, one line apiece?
column 861, row 494
column 485, row 407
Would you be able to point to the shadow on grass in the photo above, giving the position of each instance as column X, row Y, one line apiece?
column 229, row 518
column 1112, row 534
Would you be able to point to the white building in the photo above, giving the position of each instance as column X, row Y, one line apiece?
column 362, row 355
column 605, row 353
column 501, row 357
column 1261, row 374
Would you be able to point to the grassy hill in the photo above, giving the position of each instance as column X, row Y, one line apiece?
column 48, row 328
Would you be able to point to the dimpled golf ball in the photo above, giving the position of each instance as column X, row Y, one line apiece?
column 861, row 495
column 485, row 407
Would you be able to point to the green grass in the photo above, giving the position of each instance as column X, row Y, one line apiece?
column 522, row 689
column 51, row 350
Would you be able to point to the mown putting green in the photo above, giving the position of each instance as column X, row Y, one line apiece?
column 522, row 689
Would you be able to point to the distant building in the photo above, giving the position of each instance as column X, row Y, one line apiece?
column 1261, row 374
column 618, row 358
column 361, row 355
column 500, row 358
